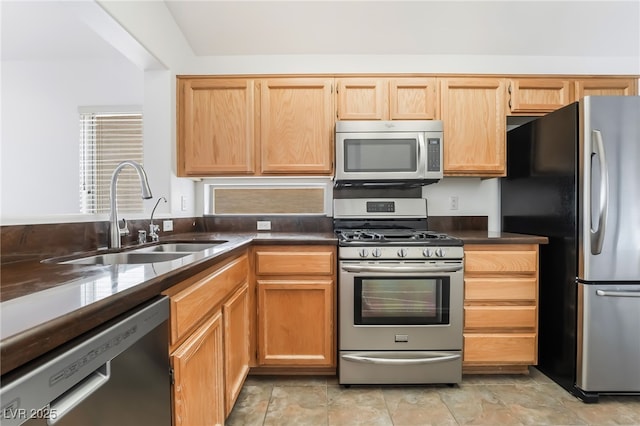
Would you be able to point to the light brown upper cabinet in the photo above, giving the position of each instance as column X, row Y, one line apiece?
column 473, row 114
column 537, row 96
column 605, row 87
column 239, row 126
column 215, row 127
column 362, row 98
column 296, row 126
column 386, row 98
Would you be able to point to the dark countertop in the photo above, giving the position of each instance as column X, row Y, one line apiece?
column 44, row 305
column 491, row 237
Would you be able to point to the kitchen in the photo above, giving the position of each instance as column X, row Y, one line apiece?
column 156, row 86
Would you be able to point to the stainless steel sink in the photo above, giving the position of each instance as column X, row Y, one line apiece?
column 180, row 247
column 162, row 252
column 128, row 257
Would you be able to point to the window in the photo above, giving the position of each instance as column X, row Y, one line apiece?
column 106, row 139
column 268, row 196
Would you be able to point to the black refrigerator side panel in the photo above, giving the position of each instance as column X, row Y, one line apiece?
column 539, row 197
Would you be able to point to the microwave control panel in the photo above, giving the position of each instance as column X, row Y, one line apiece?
column 433, row 154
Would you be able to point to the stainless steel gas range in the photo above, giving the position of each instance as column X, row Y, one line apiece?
column 400, row 295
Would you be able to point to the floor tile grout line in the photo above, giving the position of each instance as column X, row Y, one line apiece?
column 266, row 411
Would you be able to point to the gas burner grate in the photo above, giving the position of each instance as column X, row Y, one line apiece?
column 390, row 236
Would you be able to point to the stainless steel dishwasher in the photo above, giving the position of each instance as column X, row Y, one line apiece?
column 117, row 374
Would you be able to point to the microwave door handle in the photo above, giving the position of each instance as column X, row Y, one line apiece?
column 397, row 268
column 422, row 150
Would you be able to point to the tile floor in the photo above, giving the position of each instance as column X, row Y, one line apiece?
column 479, row 400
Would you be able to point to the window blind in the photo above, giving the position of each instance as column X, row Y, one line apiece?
column 106, row 139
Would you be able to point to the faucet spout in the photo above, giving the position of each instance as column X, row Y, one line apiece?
column 114, row 229
column 153, row 229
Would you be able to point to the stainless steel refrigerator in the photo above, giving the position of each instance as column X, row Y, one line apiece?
column 574, row 176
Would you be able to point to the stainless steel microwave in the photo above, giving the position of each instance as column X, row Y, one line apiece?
column 388, row 152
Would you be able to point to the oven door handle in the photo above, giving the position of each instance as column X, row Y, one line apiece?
column 374, row 359
column 398, row 268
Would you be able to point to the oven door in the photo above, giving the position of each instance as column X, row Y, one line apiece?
column 400, row 305
column 380, row 156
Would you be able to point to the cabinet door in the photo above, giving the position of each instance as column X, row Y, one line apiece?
column 296, row 132
column 236, row 344
column 537, row 96
column 198, row 390
column 215, row 127
column 605, row 87
column 412, row 99
column 295, row 322
column 473, row 114
column 362, row 99
column 202, row 293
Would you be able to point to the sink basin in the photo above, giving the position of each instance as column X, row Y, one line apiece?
column 179, row 247
column 130, row 258
column 162, row 252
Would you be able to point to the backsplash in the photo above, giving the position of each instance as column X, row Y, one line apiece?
column 20, row 242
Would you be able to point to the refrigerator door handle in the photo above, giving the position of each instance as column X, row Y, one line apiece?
column 611, row 293
column 597, row 235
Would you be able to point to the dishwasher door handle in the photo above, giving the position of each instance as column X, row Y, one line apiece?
column 399, row 268
column 83, row 390
column 372, row 359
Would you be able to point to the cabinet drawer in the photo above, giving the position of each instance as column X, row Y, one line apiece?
column 189, row 306
column 500, row 289
column 500, row 317
column 303, row 261
column 501, row 261
column 500, row 348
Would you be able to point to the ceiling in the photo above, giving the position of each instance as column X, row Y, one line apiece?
column 50, row 30
column 46, row 31
column 537, row 28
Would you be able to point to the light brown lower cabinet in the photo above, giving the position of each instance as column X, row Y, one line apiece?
column 236, row 344
column 209, row 342
column 295, row 323
column 198, row 393
column 296, row 326
column 500, row 308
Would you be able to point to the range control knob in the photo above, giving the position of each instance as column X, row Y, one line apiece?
column 440, row 252
column 363, row 252
column 427, row 252
column 377, row 253
column 402, row 252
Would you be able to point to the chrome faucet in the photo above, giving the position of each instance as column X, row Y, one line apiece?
column 153, row 229
column 115, row 232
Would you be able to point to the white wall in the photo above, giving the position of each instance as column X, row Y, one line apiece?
column 475, row 196
column 40, row 130
column 151, row 24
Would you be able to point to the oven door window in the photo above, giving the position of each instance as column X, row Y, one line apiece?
column 381, row 155
column 401, row 301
